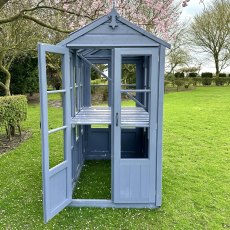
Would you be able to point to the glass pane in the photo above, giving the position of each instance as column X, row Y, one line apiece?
column 128, row 76
column 55, row 110
column 99, row 86
column 54, row 71
column 56, row 148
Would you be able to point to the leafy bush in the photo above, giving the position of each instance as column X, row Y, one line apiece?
column 179, row 75
column 13, row 110
column 187, row 82
column 193, row 74
column 220, row 81
column 228, row 80
column 206, row 75
column 222, row 75
column 54, row 78
column 170, row 78
column 206, row 80
column 178, row 83
column 24, row 72
column 196, row 80
column 105, row 93
column 166, row 83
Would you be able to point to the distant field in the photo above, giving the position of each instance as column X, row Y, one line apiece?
column 196, row 172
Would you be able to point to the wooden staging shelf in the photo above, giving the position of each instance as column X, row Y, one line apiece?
column 130, row 116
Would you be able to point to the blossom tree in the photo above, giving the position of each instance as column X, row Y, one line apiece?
column 157, row 16
column 54, row 18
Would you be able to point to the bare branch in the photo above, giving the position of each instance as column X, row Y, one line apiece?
column 46, row 25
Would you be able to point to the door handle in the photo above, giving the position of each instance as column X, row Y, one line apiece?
column 116, row 119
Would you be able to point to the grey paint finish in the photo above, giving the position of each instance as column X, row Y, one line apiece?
column 121, row 29
column 99, row 203
column 160, row 124
column 134, row 179
column 114, row 40
column 121, row 22
column 136, row 154
column 59, row 177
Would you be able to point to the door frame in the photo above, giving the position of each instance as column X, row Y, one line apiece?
column 60, row 176
column 153, row 53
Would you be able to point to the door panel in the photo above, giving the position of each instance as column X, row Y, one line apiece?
column 57, row 192
column 134, row 178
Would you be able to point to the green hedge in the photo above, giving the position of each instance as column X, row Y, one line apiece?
column 222, row 75
column 207, row 75
column 179, row 75
column 206, row 80
column 13, row 110
column 220, row 81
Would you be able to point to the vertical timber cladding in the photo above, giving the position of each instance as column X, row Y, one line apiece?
column 135, row 179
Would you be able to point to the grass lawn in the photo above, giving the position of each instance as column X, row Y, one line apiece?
column 196, row 173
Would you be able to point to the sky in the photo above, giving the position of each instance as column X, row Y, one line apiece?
column 195, row 7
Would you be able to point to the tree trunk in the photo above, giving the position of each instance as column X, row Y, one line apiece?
column 5, row 86
column 216, row 59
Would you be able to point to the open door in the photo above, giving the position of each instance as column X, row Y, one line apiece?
column 134, row 130
column 57, row 186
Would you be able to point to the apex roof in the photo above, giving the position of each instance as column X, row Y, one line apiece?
column 112, row 30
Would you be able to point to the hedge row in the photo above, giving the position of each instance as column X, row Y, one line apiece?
column 13, row 110
column 205, row 81
column 205, row 74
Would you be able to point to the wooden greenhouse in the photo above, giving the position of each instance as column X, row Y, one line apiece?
column 131, row 137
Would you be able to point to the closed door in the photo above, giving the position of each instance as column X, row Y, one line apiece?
column 134, row 129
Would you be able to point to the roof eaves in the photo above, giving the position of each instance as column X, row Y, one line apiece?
column 144, row 32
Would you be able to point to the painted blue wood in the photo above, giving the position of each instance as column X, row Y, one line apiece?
column 129, row 27
column 144, row 32
column 57, row 188
column 153, row 97
column 116, row 40
column 159, row 126
column 105, row 29
column 136, row 155
column 126, row 188
column 100, row 203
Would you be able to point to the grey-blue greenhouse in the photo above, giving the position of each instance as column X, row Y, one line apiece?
column 129, row 136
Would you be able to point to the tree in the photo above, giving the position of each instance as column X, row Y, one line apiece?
column 23, row 23
column 210, row 31
column 158, row 16
column 16, row 38
column 178, row 55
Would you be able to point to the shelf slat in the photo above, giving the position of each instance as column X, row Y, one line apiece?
column 130, row 116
